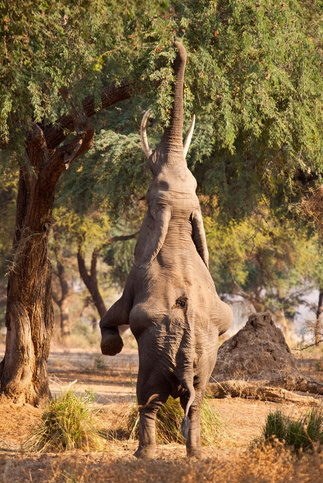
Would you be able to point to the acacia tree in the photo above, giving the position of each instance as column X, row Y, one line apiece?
column 253, row 81
column 29, row 314
column 265, row 259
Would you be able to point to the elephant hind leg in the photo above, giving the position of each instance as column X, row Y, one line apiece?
column 147, row 425
column 193, row 441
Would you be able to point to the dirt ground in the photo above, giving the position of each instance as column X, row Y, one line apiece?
column 113, row 381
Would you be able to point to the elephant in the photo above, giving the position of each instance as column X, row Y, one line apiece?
column 169, row 299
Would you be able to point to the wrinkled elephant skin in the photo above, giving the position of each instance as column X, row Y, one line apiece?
column 169, row 299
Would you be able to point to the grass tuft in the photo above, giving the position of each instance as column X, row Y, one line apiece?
column 169, row 419
column 67, row 423
column 300, row 434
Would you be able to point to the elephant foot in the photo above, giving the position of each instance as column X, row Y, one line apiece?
column 146, row 452
column 111, row 342
column 194, row 452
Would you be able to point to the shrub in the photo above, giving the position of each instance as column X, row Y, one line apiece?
column 303, row 433
column 67, row 423
column 169, row 419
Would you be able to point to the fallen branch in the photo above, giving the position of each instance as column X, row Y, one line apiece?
column 246, row 389
column 309, row 345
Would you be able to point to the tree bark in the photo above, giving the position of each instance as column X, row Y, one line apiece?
column 90, row 280
column 29, row 314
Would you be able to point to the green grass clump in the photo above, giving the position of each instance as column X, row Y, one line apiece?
column 303, row 433
column 67, row 423
column 169, row 420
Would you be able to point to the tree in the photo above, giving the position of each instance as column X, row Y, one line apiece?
column 265, row 259
column 253, row 82
column 29, row 315
column 61, row 293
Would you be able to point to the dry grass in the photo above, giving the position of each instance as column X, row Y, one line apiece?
column 15, row 423
column 68, row 422
column 259, row 465
column 169, row 419
column 228, row 460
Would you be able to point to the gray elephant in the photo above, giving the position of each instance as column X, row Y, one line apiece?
column 169, row 299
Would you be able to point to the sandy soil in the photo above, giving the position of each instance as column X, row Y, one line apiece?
column 113, row 381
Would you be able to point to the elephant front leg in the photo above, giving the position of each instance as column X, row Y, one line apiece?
column 111, row 342
column 117, row 315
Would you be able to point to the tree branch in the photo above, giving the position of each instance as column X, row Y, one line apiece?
column 94, row 259
column 111, row 94
column 36, row 147
column 122, row 237
column 82, row 267
column 309, row 345
column 90, row 280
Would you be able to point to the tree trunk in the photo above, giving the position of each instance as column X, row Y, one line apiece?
column 29, row 315
column 90, row 280
column 62, row 299
column 65, row 319
column 318, row 335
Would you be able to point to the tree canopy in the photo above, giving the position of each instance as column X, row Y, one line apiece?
column 253, row 81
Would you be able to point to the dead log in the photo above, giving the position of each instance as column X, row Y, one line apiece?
column 252, row 390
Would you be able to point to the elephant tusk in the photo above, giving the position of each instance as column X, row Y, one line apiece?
column 143, row 135
column 189, row 137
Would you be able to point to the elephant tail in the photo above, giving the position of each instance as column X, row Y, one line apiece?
column 186, row 422
column 185, row 373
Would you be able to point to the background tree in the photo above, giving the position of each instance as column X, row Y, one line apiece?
column 8, row 178
column 61, row 295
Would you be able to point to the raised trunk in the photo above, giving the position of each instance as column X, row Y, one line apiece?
column 318, row 335
column 90, row 280
column 173, row 135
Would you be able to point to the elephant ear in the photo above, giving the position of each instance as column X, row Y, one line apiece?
column 153, row 235
column 198, row 235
